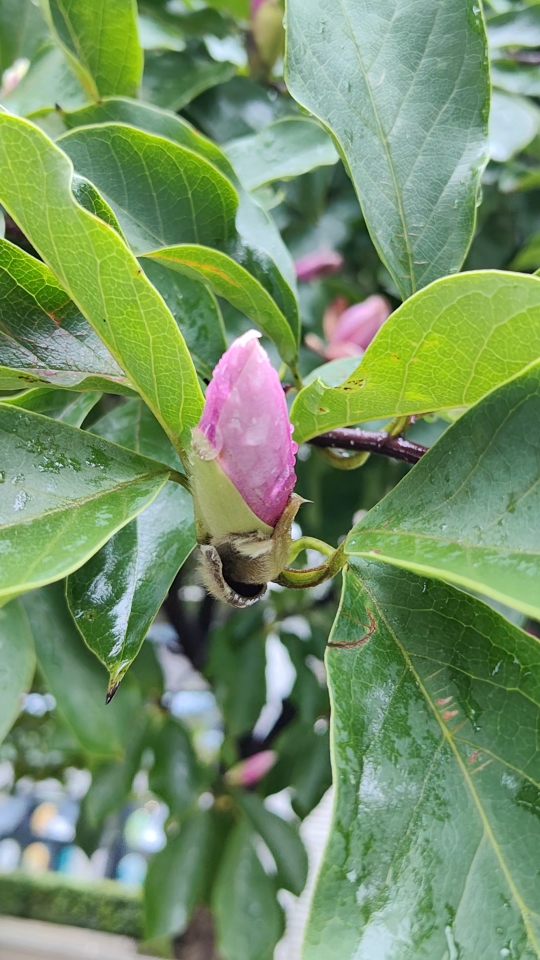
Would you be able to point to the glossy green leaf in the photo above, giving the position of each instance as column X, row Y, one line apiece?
column 446, row 347
column 143, row 116
column 101, row 43
column 248, row 918
column 116, row 595
column 231, row 281
column 513, row 123
column 470, row 510
column 63, row 493
column 172, row 195
column 236, row 667
column 287, row 148
column 22, row 29
column 43, row 335
column 71, row 408
column 161, row 192
column 196, row 311
column 176, row 775
column 17, row 662
column 415, row 160
column 49, row 80
column 74, row 676
column 172, row 79
column 112, row 782
column 435, row 838
column 177, row 876
column 101, row 275
column 282, row 839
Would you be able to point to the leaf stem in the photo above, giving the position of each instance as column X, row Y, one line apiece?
column 313, row 576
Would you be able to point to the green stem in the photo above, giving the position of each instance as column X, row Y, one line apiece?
column 344, row 461
column 180, row 478
column 296, row 376
column 302, row 579
column 309, row 543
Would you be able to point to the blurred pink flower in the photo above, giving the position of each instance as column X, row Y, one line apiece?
column 319, row 264
column 348, row 331
column 246, row 426
column 248, row 772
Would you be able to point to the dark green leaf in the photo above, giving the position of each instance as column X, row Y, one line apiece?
column 43, row 335
column 470, row 510
column 74, row 676
column 111, row 782
column 22, row 29
column 283, row 841
column 237, row 669
column 63, row 493
column 17, row 662
column 249, row 920
column 415, row 160
column 101, row 43
column 231, row 281
column 115, row 596
column 287, row 148
column 177, row 877
column 71, row 408
column 101, row 275
column 436, row 837
column 161, row 192
column 176, row 776
column 172, row 79
column 445, row 347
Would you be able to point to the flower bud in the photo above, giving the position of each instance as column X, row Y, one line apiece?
column 242, row 475
column 319, row 264
column 349, row 331
column 248, row 772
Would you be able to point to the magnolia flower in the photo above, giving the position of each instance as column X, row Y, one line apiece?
column 319, row 264
column 248, row 772
column 348, row 331
column 242, row 475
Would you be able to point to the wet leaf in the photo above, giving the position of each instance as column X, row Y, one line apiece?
column 17, row 662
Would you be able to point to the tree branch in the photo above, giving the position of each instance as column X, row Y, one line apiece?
column 348, row 438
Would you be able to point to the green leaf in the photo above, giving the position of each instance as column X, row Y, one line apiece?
column 230, row 280
column 517, row 28
column 446, row 347
column 17, row 662
column 248, row 918
column 71, row 408
column 516, row 77
column 177, row 877
column 415, row 160
column 176, row 776
column 143, row 116
column 287, row 148
column 282, row 839
column 435, row 837
column 112, row 782
column 63, row 493
column 49, row 80
column 43, row 335
column 470, row 510
column 172, row 79
column 236, row 668
column 116, row 595
column 161, row 192
column 164, row 194
column 22, row 31
column 101, row 276
column 101, row 43
column 513, row 123
column 74, row 676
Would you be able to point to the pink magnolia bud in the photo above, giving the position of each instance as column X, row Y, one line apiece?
column 319, row 264
column 246, row 422
column 242, row 475
column 349, row 331
column 248, row 772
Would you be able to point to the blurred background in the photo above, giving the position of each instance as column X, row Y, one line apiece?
column 99, row 807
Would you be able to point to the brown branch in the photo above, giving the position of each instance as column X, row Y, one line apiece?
column 348, row 438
